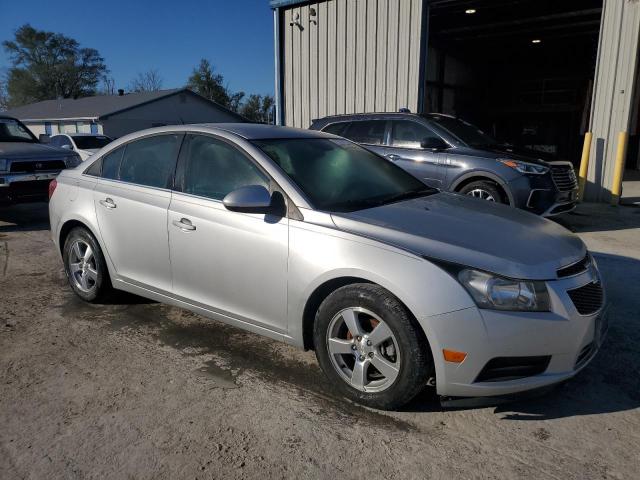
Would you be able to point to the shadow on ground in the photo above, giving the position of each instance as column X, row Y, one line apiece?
column 600, row 217
column 24, row 217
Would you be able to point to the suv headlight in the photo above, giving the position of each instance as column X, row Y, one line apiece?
column 3, row 164
column 501, row 293
column 72, row 161
column 524, row 167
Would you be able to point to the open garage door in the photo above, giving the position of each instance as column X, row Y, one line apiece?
column 521, row 69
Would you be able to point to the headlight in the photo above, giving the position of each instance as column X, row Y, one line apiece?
column 524, row 167
column 72, row 161
column 500, row 293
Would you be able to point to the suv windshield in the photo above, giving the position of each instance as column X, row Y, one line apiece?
column 13, row 131
column 340, row 176
column 463, row 131
column 85, row 142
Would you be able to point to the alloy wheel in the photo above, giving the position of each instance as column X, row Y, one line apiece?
column 481, row 194
column 363, row 350
column 82, row 266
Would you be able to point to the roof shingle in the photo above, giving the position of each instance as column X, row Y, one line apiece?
column 87, row 107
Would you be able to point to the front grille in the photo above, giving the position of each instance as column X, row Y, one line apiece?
column 37, row 166
column 575, row 268
column 564, row 177
column 584, row 355
column 512, row 368
column 588, row 298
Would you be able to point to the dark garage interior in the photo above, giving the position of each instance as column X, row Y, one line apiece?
column 522, row 70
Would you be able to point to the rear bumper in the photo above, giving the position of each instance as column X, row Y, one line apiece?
column 25, row 187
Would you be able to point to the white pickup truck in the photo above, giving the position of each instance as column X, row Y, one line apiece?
column 26, row 165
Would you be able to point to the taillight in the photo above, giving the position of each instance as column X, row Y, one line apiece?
column 52, row 187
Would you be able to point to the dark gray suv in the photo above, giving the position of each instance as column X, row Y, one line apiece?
column 450, row 154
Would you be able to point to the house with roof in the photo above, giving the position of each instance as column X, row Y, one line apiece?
column 118, row 115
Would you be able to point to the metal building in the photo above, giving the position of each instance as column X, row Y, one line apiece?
column 534, row 72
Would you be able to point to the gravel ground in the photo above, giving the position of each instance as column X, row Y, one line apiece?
column 136, row 389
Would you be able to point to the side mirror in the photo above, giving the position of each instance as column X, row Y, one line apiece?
column 66, row 147
column 44, row 138
column 249, row 199
column 433, row 143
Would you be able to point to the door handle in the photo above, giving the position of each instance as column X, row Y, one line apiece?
column 184, row 224
column 108, row 203
column 393, row 157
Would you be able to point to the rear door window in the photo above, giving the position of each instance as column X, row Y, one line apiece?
column 369, row 132
column 150, row 161
column 336, row 128
column 110, row 164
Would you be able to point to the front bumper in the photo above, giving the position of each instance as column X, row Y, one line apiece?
column 569, row 339
column 540, row 195
column 25, row 187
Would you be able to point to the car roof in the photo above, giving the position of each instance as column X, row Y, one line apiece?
column 83, row 134
column 373, row 115
column 257, row 131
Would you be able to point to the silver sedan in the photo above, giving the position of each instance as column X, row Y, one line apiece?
column 308, row 238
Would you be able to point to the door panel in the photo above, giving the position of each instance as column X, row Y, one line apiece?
column 131, row 201
column 134, row 228
column 233, row 263
column 406, row 151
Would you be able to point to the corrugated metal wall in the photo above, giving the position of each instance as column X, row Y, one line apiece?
column 351, row 56
column 613, row 92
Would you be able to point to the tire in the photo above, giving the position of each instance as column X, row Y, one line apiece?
column 87, row 275
column 484, row 190
column 406, row 350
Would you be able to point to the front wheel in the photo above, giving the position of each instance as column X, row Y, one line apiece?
column 368, row 344
column 483, row 190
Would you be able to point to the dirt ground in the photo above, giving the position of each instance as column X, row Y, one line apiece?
column 136, row 389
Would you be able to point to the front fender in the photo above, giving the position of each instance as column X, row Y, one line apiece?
column 319, row 254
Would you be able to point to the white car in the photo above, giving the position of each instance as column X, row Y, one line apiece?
column 85, row 144
column 308, row 238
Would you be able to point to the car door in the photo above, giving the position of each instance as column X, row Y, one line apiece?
column 131, row 200
column 231, row 263
column 406, row 149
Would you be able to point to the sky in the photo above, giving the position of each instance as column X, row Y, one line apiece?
column 133, row 36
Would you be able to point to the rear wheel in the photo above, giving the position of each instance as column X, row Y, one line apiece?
column 85, row 266
column 484, row 190
column 367, row 342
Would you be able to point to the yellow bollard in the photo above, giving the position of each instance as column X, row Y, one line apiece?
column 584, row 164
column 616, row 187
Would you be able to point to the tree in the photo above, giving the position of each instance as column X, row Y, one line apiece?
column 204, row 81
column 47, row 65
column 258, row 108
column 4, row 97
column 108, row 85
column 149, row 81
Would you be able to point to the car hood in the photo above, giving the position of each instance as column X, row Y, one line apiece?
column 22, row 150
column 470, row 232
column 512, row 152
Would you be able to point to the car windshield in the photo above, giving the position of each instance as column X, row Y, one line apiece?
column 340, row 176
column 465, row 132
column 13, row 131
column 86, row 142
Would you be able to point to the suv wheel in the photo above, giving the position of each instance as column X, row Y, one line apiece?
column 368, row 344
column 85, row 266
column 483, row 190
